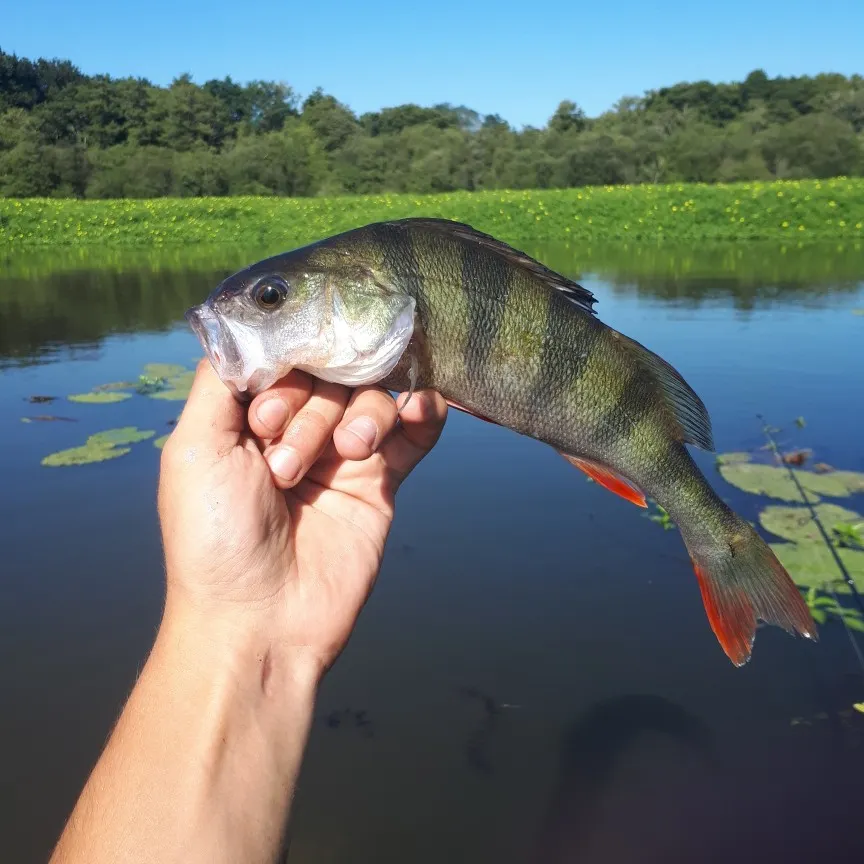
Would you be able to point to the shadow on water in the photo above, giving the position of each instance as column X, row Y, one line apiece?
column 592, row 748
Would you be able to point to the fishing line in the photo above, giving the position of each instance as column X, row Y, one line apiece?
column 838, row 560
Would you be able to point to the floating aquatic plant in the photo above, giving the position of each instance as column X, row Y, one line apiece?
column 813, row 565
column 169, row 381
column 114, row 385
column 796, row 457
column 766, row 480
column 177, row 387
column 99, row 447
column 775, row 481
column 796, row 523
column 849, row 535
column 148, row 384
column 100, row 398
column 160, row 442
column 731, row 458
column 163, row 370
column 662, row 518
column 123, row 435
column 84, row 455
column 823, row 606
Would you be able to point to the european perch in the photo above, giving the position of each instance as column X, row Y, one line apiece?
column 430, row 303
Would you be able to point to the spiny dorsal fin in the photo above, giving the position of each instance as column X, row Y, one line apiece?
column 573, row 291
column 687, row 408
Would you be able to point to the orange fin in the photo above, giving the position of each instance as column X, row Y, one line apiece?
column 608, row 479
column 459, row 407
column 743, row 582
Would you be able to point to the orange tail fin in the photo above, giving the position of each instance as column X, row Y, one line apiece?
column 742, row 580
column 608, row 479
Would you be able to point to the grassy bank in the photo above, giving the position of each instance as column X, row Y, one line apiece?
column 796, row 211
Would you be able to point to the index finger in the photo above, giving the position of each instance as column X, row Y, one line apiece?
column 421, row 424
column 211, row 415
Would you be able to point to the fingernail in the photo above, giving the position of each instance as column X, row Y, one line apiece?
column 285, row 463
column 273, row 414
column 365, row 429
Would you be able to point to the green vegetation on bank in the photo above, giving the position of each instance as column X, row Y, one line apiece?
column 793, row 211
column 66, row 134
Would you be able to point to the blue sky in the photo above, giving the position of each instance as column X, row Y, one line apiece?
column 517, row 60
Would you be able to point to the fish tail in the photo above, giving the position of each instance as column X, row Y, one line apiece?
column 741, row 581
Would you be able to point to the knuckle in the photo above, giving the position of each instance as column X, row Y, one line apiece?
column 309, row 432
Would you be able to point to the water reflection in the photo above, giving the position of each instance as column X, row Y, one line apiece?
column 79, row 298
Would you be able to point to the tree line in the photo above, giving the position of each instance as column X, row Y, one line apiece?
column 67, row 134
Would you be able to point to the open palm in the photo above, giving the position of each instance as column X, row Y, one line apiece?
column 286, row 504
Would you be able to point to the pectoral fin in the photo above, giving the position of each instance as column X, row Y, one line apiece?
column 460, row 407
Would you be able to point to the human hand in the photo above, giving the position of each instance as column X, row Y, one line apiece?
column 275, row 515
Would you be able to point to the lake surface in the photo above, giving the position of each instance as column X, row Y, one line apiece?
column 509, row 581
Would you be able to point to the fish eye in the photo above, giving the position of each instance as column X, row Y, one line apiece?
column 270, row 292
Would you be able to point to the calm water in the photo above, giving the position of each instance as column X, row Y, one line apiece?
column 509, row 579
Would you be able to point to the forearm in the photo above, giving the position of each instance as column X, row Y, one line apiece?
column 203, row 761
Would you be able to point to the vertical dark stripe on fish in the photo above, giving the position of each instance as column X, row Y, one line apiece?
column 633, row 404
column 562, row 363
column 486, row 284
column 400, row 260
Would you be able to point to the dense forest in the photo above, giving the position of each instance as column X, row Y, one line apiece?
column 66, row 134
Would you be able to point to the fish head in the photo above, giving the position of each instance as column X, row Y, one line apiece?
column 338, row 323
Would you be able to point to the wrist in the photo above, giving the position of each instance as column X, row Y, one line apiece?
column 249, row 645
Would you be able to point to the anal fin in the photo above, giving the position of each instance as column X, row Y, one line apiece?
column 608, row 479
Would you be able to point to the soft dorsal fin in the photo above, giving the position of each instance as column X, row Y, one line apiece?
column 573, row 291
column 686, row 407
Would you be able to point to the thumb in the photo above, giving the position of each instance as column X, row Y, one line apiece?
column 212, row 417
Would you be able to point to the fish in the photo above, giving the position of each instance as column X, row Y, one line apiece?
column 427, row 303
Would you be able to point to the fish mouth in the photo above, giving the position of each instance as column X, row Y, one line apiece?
column 220, row 346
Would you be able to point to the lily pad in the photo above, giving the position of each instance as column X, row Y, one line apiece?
column 767, row 480
column 775, row 482
column 796, row 523
column 100, row 398
column 813, row 565
column 114, row 385
column 853, row 481
column 178, row 388
column 732, row 458
column 84, row 455
column 123, row 435
column 160, row 442
column 164, row 370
